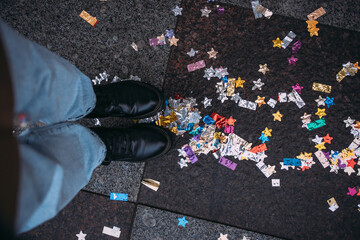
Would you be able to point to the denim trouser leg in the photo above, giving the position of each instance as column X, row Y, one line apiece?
column 57, row 161
column 47, row 88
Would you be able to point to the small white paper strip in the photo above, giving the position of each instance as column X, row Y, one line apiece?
column 114, row 232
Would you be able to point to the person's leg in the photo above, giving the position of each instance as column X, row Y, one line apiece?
column 56, row 163
column 47, row 88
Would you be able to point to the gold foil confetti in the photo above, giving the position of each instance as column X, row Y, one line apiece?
column 231, row 87
column 87, row 17
column 316, row 14
column 321, row 87
column 151, row 183
column 164, row 121
column 341, row 75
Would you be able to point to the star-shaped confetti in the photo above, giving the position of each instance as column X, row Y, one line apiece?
column 351, row 163
column 205, row 12
column 334, row 168
column 236, row 97
column 81, row 236
column 192, row 52
column 320, row 101
column 257, row 84
column 327, row 139
column 277, row 43
column 231, row 121
column 329, row 102
column 161, row 39
column 260, row 101
column 349, row 170
column 206, row 102
column 321, row 112
column 320, row 146
column 239, row 82
column 277, row 116
column 173, row 41
column 263, row 138
column 261, row 156
column 263, row 68
column 169, row 33
column 212, row 53
column 349, row 122
column 271, row 169
column 222, row 97
column 317, row 139
column 267, row 132
column 223, row 237
column 352, row 191
column 297, row 88
column 284, row 166
column 209, row 73
column 182, row 221
column 182, row 163
column 177, row 11
column 292, row 60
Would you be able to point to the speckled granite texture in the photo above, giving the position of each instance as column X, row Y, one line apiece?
column 105, row 47
column 244, row 197
column 343, row 14
column 89, row 213
column 155, row 224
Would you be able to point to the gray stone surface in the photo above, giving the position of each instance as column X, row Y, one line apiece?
column 105, row 47
column 118, row 177
column 343, row 14
column 156, row 224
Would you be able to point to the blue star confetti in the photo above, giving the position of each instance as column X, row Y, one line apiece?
column 263, row 138
column 329, row 102
column 182, row 221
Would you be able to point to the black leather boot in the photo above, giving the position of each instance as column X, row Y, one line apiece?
column 130, row 99
column 140, row 142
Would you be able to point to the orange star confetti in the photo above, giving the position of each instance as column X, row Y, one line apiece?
column 277, row 42
column 357, row 125
column 173, row 41
column 351, row 163
column 260, row 100
column 327, row 139
column 231, row 121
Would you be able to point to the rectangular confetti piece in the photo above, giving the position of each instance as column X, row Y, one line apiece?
column 190, row 154
column 262, row 166
column 119, row 196
column 322, row 159
column 259, row 148
column 114, row 232
column 321, row 87
column 195, row 66
column 151, row 183
column 316, row 124
column 316, row 14
column 227, row 163
column 275, row 182
column 292, row 162
column 87, row 17
column 354, row 144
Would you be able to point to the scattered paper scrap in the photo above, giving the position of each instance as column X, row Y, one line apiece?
column 119, row 196
column 195, row 66
column 87, row 17
column 150, row 183
column 321, row 87
column 113, row 232
column 275, row 182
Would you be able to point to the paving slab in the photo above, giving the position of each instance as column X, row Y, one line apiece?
column 155, row 224
column 88, row 213
column 338, row 13
column 298, row 209
column 105, row 47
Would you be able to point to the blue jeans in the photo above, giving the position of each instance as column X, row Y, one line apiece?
column 57, row 160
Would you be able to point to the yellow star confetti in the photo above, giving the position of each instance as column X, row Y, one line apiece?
column 277, row 116
column 277, row 43
column 320, row 146
column 301, row 156
column 267, row 132
column 239, row 82
column 307, row 155
column 173, row 41
column 321, row 112
column 260, row 101
column 212, row 53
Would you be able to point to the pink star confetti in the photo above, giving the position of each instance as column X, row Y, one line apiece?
column 297, row 88
column 352, row 191
column 292, row 60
